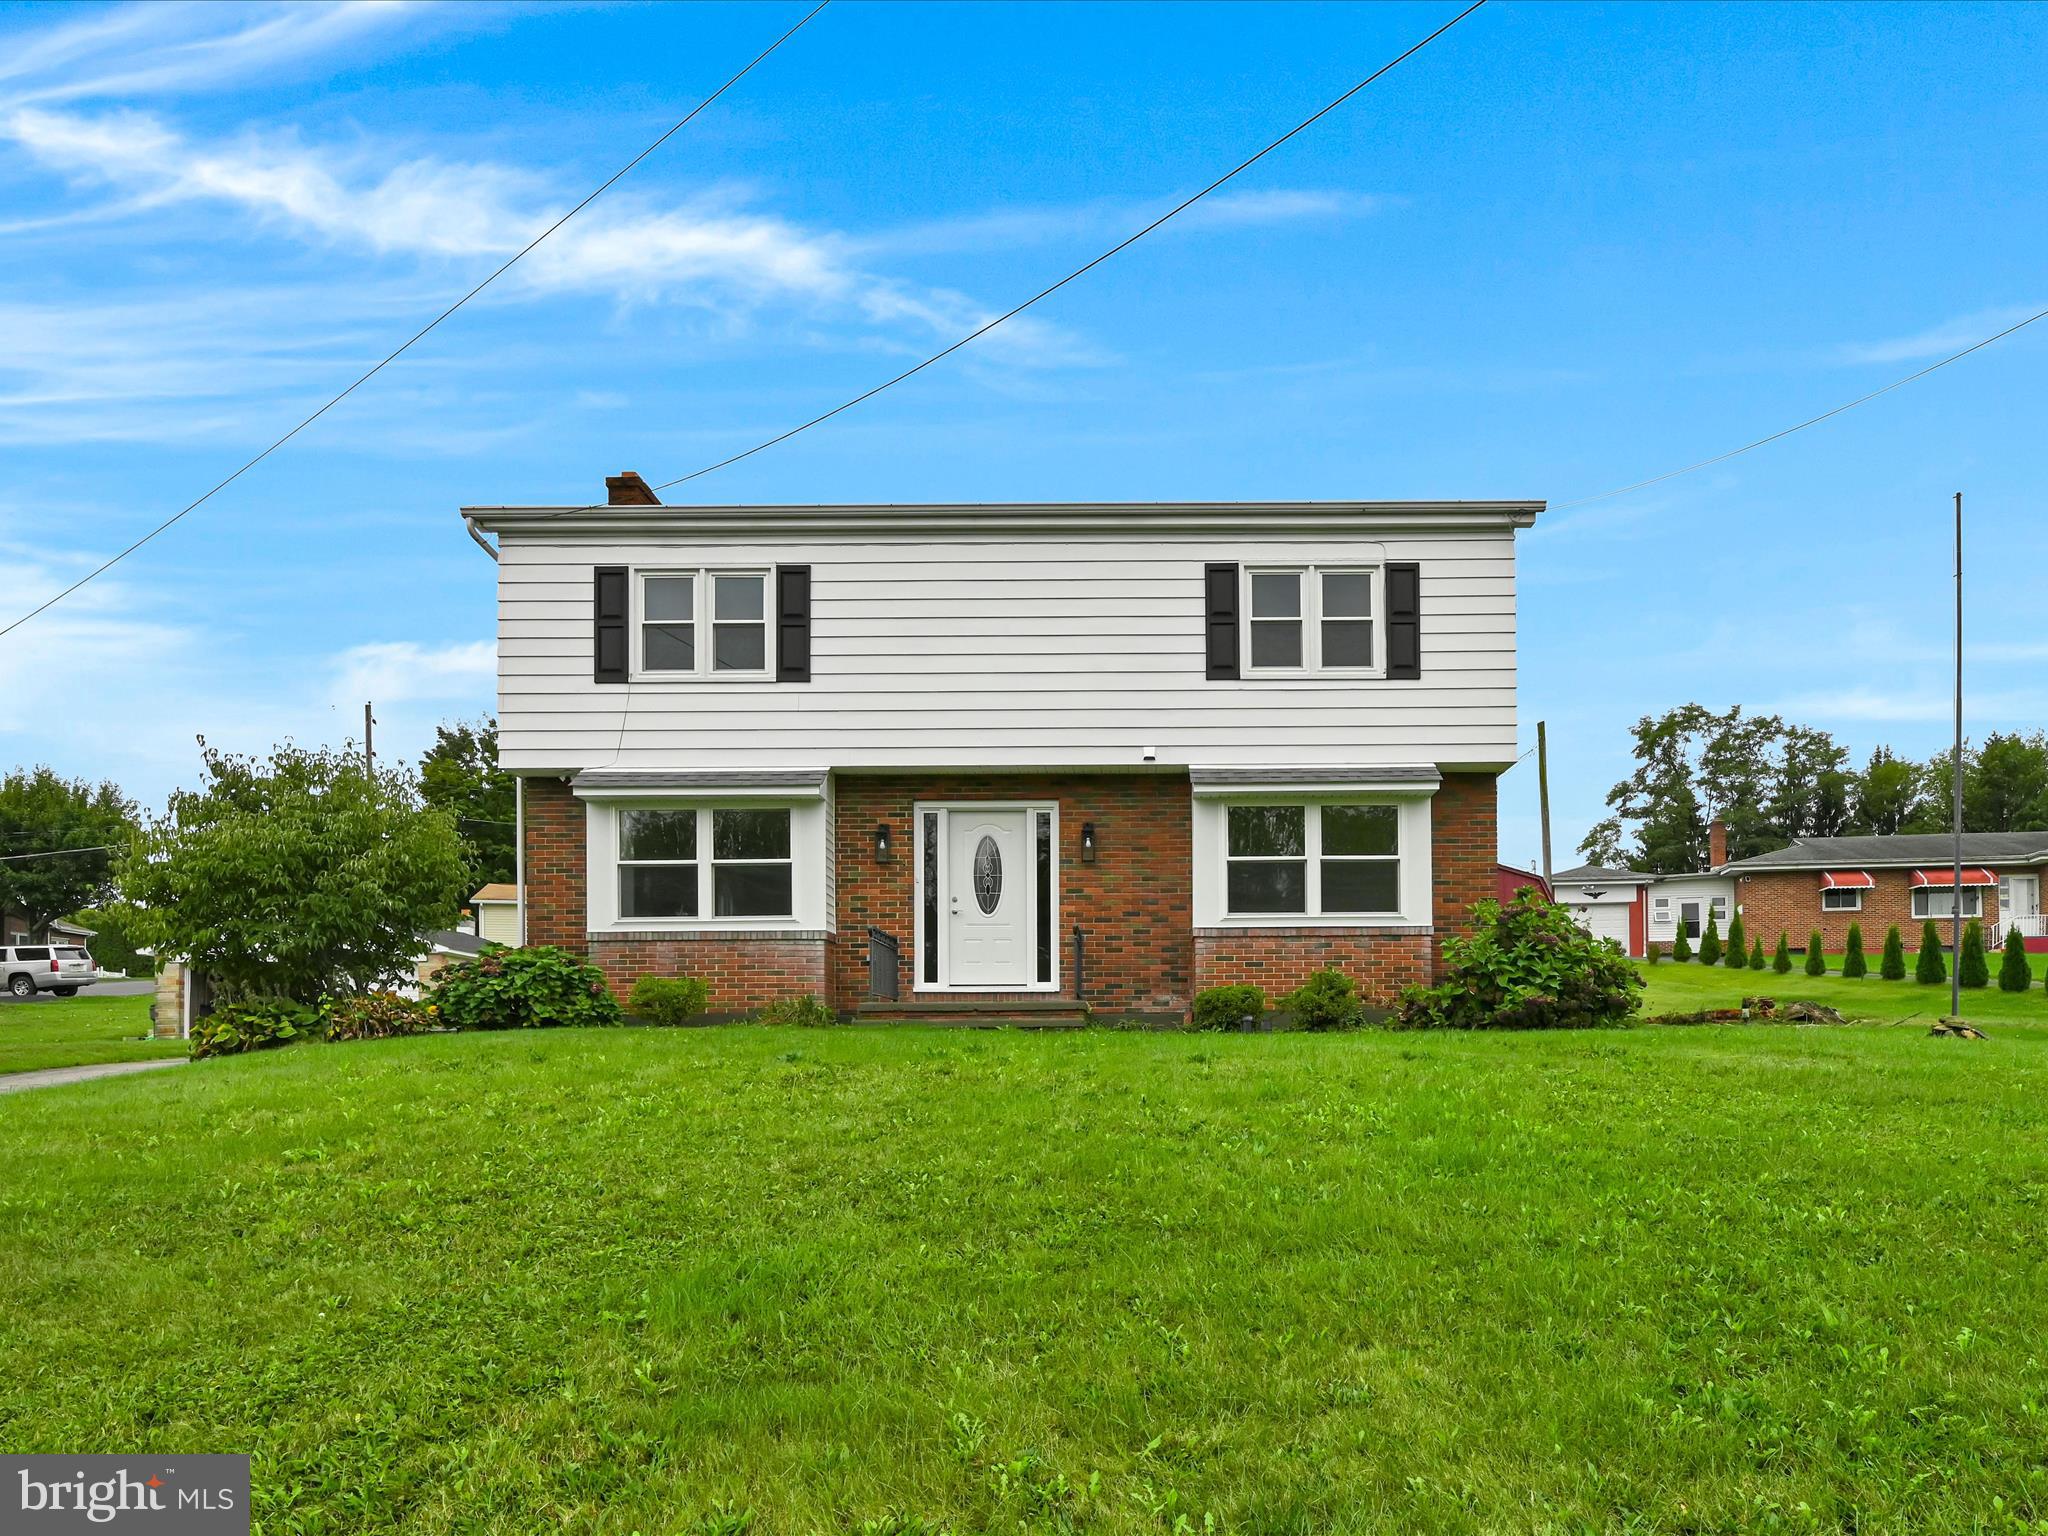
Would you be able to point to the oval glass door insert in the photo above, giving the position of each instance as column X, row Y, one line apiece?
column 988, row 874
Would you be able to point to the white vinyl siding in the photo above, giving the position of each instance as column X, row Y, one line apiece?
column 497, row 922
column 1077, row 649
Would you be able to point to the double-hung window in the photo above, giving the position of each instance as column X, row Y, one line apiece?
column 694, row 623
column 1313, row 860
column 662, row 873
column 1842, row 900
column 1940, row 901
column 1311, row 619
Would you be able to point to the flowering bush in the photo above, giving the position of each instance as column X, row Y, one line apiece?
column 376, row 1016
column 523, row 989
column 1526, row 965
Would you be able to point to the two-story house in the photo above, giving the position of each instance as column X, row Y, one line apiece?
column 1046, row 753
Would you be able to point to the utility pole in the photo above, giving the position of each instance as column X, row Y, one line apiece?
column 369, row 756
column 1543, row 790
column 1955, row 947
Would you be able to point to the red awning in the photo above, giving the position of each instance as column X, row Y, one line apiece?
column 1943, row 879
column 1847, row 880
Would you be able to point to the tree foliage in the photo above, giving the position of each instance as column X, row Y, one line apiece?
column 1756, row 956
column 1930, row 967
column 1892, row 967
column 1710, row 942
column 1816, row 954
column 1853, row 963
column 1781, row 962
column 41, row 812
column 2015, row 971
column 297, row 875
column 1972, row 968
column 1738, row 944
column 460, row 775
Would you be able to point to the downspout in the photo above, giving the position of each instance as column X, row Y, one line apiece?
column 519, row 858
column 482, row 543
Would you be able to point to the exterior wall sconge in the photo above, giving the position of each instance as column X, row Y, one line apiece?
column 1087, row 842
column 882, row 842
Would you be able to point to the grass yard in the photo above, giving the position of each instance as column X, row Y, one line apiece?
column 1676, row 987
column 78, row 1031
column 1699, row 1280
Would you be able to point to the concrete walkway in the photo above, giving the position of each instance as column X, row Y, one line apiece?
column 51, row 1077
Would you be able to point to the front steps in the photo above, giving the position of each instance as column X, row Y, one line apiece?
column 977, row 1013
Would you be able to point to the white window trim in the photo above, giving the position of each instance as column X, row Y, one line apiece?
column 1854, row 906
column 914, row 961
column 1212, row 848
column 1922, row 893
column 807, row 857
column 1311, row 620
column 703, row 597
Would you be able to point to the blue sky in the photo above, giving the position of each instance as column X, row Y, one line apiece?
column 1564, row 248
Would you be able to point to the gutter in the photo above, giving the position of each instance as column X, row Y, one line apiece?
column 469, row 526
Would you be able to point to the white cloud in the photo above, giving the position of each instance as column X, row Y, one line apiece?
column 396, row 672
column 1939, row 340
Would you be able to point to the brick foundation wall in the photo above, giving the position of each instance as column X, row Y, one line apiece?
column 1381, row 961
column 555, row 865
column 1464, row 835
column 1789, row 903
column 746, row 971
column 1134, row 903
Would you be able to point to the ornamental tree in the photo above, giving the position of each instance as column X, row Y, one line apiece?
column 1972, row 969
column 1892, row 966
column 1738, row 945
column 1853, row 963
column 1681, row 945
column 2015, row 971
column 1710, row 942
column 1756, row 956
column 1816, row 954
column 1781, row 962
column 1930, row 969
column 297, row 875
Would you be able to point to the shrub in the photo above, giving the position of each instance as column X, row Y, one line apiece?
column 1225, row 1007
column 376, row 1016
column 1972, row 969
column 1327, row 1000
column 1816, row 954
column 1652, row 954
column 1738, row 945
column 1526, row 965
column 1781, row 962
column 1853, row 963
column 1756, row 956
column 1892, row 966
column 1710, row 942
column 254, row 1024
column 523, row 989
column 1681, row 945
column 803, row 1011
column 669, row 1000
column 2015, row 971
column 1931, row 969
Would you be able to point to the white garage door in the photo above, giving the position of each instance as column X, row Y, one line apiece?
column 1605, row 922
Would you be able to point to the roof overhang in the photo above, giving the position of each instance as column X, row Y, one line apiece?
column 699, row 784
column 1847, row 880
column 1398, row 779
column 1945, row 879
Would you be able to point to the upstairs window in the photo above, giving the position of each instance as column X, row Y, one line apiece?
column 1309, row 619
column 694, row 623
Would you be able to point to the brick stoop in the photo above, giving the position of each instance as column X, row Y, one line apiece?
column 977, row 1013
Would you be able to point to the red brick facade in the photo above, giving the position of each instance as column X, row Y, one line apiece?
column 1789, row 903
column 1133, row 901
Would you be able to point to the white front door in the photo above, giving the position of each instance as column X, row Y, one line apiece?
column 2019, row 904
column 987, row 919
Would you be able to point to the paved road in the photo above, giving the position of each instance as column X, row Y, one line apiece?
column 51, row 1077
column 135, row 986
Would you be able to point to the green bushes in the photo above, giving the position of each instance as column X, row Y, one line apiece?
column 1681, row 945
column 1930, row 970
column 1816, row 954
column 803, row 1012
column 375, row 1016
column 2015, row 972
column 1853, row 963
column 1972, row 969
column 1227, row 1007
column 1526, row 965
column 523, row 989
column 1781, row 962
column 669, row 1000
column 1756, row 956
column 1710, row 942
column 1329, row 999
column 1738, row 945
column 255, row 1024
column 1892, row 967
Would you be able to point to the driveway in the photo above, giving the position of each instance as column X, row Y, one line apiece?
column 52, row 1077
column 134, row 986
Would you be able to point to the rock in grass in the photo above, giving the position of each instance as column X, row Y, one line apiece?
column 1955, row 1029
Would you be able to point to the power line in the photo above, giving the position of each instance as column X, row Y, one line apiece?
column 58, row 853
column 1811, row 421
column 1080, row 271
column 421, row 333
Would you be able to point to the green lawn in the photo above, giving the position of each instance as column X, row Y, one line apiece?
column 1684, row 988
column 1700, row 1280
column 76, row 1031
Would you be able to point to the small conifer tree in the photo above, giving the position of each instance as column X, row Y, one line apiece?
column 2015, row 971
column 1781, row 962
column 1738, row 945
column 1710, row 942
column 1931, row 969
column 1892, row 966
column 1972, row 969
column 1853, row 963
column 1756, row 956
column 1681, row 946
column 1816, row 954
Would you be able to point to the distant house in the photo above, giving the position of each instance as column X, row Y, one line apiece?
column 497, row 914
column 1509, row 880
column 1637, row 910
column 19, row 930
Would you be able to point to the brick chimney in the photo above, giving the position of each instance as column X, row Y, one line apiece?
column 627, row 489
column 1717, row 843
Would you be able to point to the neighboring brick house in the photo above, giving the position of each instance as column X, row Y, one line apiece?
column 1047, row 754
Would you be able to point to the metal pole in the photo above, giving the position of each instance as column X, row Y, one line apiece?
column 369, row 756
column 1955, row 958
column 1543, row 790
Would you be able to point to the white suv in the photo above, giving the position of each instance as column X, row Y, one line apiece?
column 60, row 968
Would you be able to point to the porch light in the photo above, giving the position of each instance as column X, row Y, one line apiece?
column 1087, row 842
column 881, row 840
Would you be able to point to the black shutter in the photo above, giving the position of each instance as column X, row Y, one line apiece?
column 1404, row 620
column 609, row 613
column 792, row 623
column 1219, row 584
